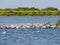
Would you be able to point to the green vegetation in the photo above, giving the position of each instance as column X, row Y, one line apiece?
column 50, row 11
column 58, row 22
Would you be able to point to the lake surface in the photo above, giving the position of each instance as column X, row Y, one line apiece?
column 29, row 36
column 28, row 19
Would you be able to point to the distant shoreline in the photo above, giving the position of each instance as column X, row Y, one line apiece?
column 50, row 11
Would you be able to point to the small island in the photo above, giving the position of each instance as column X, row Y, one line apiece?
column 50, row 11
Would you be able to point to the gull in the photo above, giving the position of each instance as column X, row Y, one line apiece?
column 37, row 31
column 4, row 32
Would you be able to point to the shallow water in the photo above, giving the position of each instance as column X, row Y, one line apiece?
column 30, row 37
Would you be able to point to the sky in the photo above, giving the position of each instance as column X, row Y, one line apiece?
column 41, row 4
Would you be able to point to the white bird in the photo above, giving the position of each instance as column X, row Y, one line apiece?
column 4, row 32
column 37, row 31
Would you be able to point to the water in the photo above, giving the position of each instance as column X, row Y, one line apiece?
column 28, row 19
column 29, row 36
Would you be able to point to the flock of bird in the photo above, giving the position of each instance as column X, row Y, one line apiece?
column 13, row 26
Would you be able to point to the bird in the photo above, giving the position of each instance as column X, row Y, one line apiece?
column 37, row 31
column 4, row 32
